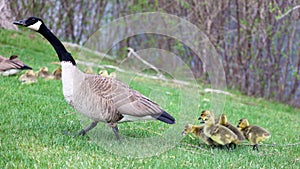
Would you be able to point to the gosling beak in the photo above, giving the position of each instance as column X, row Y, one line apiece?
column 183, row 133
column 202, row 122
column 20, row 22
column 199, row 118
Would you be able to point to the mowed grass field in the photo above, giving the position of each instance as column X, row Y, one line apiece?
column 34, row 119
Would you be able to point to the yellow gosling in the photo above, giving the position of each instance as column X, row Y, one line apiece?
column 198, row 132
column 28, row 77
column 57, row 73
column 223, row 121
column 254, row 134
column 217, row 132
column 44, row 73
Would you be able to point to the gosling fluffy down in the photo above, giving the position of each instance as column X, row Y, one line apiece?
column 28, row 77
column 198, row 132
column 223, row 121
column 254, row 134
column 44, row 73
column 217, row 132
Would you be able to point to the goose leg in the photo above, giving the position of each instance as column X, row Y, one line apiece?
column 91, row 126
column 116, row 131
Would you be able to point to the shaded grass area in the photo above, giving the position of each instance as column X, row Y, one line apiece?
column 33, row 119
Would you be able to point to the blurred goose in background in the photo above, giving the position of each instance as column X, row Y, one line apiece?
column 254, row 134
column 28, row 77
column 102, row 99
column 11, row 66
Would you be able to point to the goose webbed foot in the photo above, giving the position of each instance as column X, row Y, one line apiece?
column 90, row 127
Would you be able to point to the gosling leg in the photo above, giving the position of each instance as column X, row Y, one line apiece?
column 232, row 146
column 227, row 146
column 90, row 127
column 255, row 147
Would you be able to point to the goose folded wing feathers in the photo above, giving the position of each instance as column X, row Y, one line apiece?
column 10, row 64
column 126, row 101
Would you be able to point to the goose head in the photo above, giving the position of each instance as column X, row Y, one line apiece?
column 33, row 23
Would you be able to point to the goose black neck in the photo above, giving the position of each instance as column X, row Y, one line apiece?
column 61, row 51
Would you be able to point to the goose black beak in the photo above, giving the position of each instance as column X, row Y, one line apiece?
column 20, row 22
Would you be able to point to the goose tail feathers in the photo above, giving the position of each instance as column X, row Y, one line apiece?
column 166, row 118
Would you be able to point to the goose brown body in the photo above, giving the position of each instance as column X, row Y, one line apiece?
column 254, row 134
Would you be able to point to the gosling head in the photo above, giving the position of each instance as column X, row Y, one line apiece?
column 44, row 69
column 33, row 23
column 243, row 123
column 206, row 116
column 103, row 73
column 187, row 129
column 223, row 119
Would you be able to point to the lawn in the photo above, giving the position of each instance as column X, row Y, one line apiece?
column 34, row 119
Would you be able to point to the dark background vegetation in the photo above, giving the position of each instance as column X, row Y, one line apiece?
column 257, row 39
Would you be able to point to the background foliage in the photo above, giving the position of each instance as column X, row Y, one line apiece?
column 258, row 40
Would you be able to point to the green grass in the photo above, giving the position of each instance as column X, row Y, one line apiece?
column 33, row 119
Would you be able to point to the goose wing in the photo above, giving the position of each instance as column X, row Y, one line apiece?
column 7, row 64
column 127, row 101
column 132, row 105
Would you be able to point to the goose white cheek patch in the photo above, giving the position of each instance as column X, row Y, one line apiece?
column 35, row 26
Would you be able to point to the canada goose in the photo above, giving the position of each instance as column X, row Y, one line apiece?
column 57, row 73
column 44, row 73
column 254, row 134
column 217, row 132
column 223, row 121
column 28, row 77
column 198, row 132
column 102, row 99
column 11, row 66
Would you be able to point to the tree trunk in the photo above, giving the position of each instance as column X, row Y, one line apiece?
column 5, row 17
